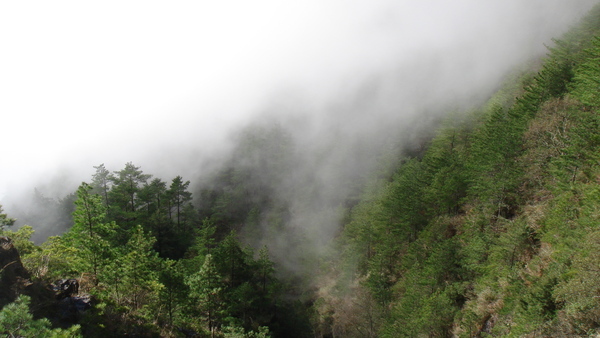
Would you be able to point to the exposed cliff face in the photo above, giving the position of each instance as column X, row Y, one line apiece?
column 14, row 278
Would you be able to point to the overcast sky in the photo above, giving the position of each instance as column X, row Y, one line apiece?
column 82, row 83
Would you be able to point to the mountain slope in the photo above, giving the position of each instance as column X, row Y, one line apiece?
column 494, row 228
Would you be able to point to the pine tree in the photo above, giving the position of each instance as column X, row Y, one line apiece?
column 154, row 197
column 141, row 265
column 179, row 197
column 175, row 291
column 127, row 184
column 5, row 221
column 17, row 321
column 101, row 181
column 265, row 268
column 206, row 287
column 90, row 233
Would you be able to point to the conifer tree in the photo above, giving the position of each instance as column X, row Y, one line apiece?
column 5, row 221
column 101, row 181
column 90, row 233
column 206, row 287
column 17, row 321
column 265, row 268
column 140, row 269
column 179, row 197
column 174, row 291
column 127, row 184
column 153, row 196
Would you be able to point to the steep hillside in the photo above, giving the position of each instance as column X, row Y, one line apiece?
column 490, row 228
column 494, row 229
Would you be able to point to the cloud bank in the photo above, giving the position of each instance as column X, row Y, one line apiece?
column 164, row 85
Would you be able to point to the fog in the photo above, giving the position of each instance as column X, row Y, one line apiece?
column 168, row 85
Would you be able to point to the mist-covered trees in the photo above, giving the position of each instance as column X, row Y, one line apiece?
column 219, row 273
column 250, row 185
column 101, row 181
column 5, row 221
column 131, row 197
column 127, row 183
column 179, row 196
column 491, row 231
column 152, row 265
column 55, row 214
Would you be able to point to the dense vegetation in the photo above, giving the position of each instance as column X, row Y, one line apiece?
column 154, row 267
column 493, row 230
column 489, row 230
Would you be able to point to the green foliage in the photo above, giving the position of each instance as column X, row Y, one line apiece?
column 123, row 224
column 180, row 196
column 124, row 193
column 579, row 292
column 54, row 259
column 492, row 230
column 134, row 273
column 174, row 293
column 239, row 332
column 90, row 234
column 17, row 321
column 245, row 189
column 21, row 239
column 5, row 221
column 264, row 268
column 488, row 232
column 587, row 77
column 101, row 181
column 206, row 288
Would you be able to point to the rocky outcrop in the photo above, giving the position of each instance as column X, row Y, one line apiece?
column 60, row 302
column 71, row 304
column 14, row 278
column 66, row 288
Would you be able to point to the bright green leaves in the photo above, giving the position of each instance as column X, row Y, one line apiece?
column 91, row 234
column 133, row 274
column 55, row 259
column 90, row 213
column 120, row 220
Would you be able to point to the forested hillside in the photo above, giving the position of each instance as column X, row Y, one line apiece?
column 491, row 228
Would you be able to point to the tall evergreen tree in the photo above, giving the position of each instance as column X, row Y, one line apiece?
column 154, row 196
column 101, row 181
column 206, row 287
column 124, row 194
column 141, row 267
column 179, row 197
column 5, row 221
column 91, row 233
